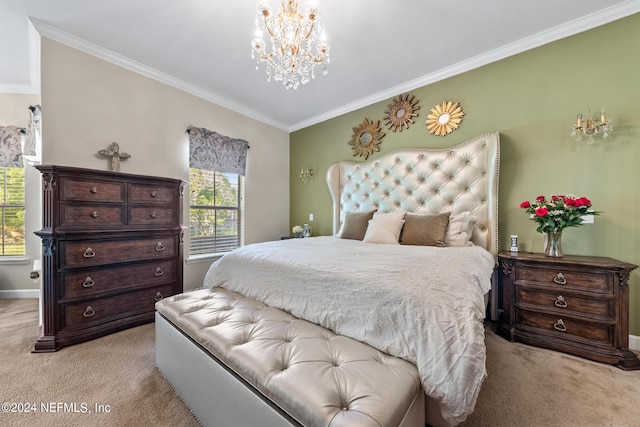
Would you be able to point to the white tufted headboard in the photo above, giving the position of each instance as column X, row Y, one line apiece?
column 456, row 179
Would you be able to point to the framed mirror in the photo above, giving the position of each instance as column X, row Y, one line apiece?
column 444, row 118
column 366, row 138
column 401, row 112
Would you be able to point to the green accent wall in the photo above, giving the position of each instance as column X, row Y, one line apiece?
column 532, row 99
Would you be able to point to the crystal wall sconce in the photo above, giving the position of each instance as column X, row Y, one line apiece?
column 306, row 173
column 590, row 128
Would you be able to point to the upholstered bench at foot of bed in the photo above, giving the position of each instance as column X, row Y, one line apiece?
column 275, row 369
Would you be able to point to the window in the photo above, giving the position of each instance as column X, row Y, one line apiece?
column 12, row 211
column 215, row 213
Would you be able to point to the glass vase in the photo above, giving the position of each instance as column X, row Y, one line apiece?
column 553, row 247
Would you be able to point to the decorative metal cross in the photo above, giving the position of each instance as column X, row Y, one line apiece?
column 116, row 155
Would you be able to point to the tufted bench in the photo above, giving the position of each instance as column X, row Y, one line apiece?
column 267, row 361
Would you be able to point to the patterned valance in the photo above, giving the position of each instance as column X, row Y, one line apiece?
column 11, row 146
column 209, row 150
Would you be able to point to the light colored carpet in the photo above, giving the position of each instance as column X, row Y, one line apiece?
column 529, row 386
column 116, row 370
column 526, row 386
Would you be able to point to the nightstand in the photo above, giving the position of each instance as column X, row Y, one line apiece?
column 574, row 304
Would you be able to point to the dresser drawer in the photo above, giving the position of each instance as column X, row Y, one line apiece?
column 91, row 215
column 111, row 308
column 140, row 193
column 93, row 190
column 565, row 278
column 566, row 326
column 151, row 215
column 563, row 302
column 87, row 283
column 101, row 252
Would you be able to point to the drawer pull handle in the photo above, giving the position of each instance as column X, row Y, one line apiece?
column 560, row 302
column 559, row 279
column 153, row 214
column 89, row 253
column 559, row 326
column 159, row 247
column 88, row 282
column 94, row 190
column 95, row 214
column 153, row 193
column 158, row 296
column 88, row 312
column 158, row 272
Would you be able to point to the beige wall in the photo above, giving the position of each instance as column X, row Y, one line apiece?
column 88, row 103
column 532, row 99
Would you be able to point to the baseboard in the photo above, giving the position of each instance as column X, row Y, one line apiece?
column 634, row 343
column 20, row 293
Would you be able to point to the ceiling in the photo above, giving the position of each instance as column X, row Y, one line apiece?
column 379, row 48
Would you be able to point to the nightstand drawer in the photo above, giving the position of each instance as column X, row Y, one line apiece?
column 566, row 278
column 87, row 283
column 566, row 326
column 563, row 302
column 91, row 190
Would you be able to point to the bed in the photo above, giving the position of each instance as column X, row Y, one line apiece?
column 419, row 305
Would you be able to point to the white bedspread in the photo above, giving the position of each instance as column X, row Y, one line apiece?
column 423, row 304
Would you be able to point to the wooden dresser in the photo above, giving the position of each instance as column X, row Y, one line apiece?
column 574, row 304
column 111, row 248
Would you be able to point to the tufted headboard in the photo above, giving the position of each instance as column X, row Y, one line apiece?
column 429, row 181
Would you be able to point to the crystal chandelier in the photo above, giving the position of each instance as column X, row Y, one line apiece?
column 293, row 35
column 590, row 128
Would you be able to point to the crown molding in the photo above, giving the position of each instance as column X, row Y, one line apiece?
column 57, row 35
column 576, row 26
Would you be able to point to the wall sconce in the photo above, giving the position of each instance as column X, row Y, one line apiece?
column 305, row 174
column 590, row 128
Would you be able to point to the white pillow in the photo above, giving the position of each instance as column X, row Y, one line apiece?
column 384, row 229
column 394, row 213
column 460, row 230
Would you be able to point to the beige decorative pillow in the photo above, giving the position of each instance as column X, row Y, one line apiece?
column 424, row 230
column 460, row 230
column 384, row 229
column 394, row 213
column 355, row 225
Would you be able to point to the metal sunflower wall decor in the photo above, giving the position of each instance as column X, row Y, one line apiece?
column 366, row 138
column 401, row 112
column 444, row 118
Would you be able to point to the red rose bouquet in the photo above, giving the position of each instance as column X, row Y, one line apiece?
column 558, row 213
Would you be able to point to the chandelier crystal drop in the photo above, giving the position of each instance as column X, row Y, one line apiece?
column 297, row 45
